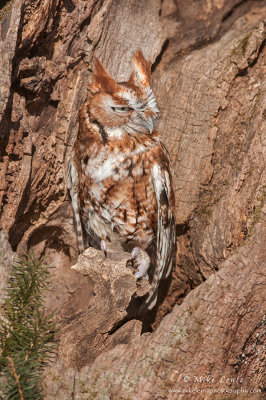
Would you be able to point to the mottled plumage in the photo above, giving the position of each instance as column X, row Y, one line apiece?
column 119, row 176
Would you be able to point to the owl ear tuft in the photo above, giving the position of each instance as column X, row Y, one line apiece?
column 102, row 80
column 142, row 73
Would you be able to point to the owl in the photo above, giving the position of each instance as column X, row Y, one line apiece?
column 119, row 175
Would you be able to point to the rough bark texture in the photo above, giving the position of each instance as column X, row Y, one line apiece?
column 203, row 345
column 96, row 317
column 208, row 69
column 213, row 103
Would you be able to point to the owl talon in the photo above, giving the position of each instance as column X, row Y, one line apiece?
column 135, row 254
column 142, row 261
column 104, row 247
column 140, row 275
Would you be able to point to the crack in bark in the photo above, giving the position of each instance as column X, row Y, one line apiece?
column 74, row 386
column 160, row 55
column 234, row 8
column 244, row 71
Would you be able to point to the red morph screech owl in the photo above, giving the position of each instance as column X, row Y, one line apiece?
column 119, row 175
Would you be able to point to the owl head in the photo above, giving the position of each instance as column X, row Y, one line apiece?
column 125, row 106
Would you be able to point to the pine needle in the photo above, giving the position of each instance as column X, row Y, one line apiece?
column 26, row 333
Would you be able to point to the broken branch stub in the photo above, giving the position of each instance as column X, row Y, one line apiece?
column 101, row 320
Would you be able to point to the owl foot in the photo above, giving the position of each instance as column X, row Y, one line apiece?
column 141, row 259
column 104, row 247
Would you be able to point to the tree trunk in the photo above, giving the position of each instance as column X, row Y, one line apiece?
column 208, row 74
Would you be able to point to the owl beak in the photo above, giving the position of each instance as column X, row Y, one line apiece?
column 150, row 124
column 147, row 123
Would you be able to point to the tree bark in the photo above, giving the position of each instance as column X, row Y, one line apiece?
column 208, row 69
column 210, row 346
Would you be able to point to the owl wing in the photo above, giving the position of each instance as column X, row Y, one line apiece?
column 166, row 236
column 73, row 186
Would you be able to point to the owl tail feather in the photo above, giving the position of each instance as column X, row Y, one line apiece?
column 151, row 301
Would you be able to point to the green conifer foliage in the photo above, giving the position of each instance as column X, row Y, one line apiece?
column 26, row 333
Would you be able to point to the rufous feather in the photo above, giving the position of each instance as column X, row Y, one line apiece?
column 102, row 79
column 142, row 69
